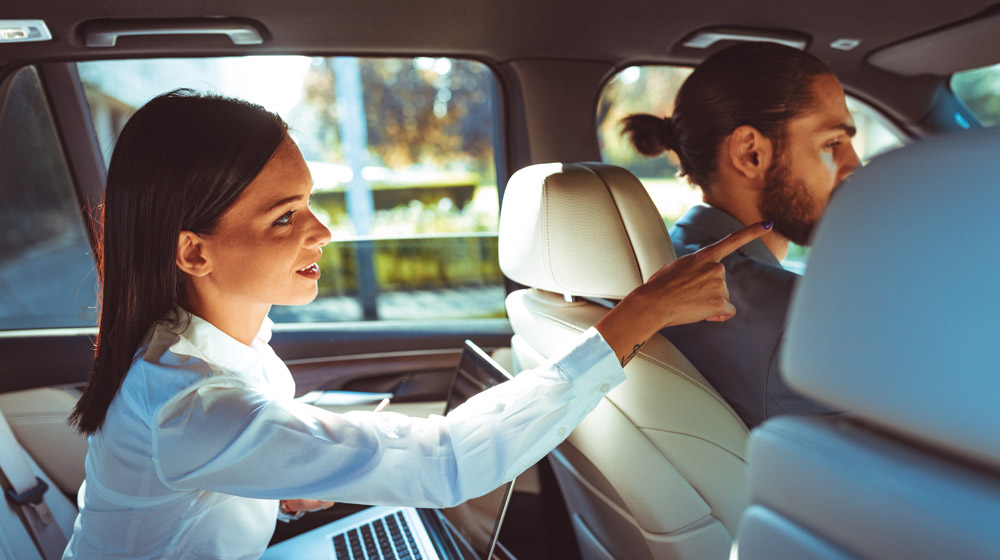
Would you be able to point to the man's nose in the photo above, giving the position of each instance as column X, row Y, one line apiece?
column 851, row 162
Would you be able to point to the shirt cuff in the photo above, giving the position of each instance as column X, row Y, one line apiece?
column 286, row 517
column 591, row 363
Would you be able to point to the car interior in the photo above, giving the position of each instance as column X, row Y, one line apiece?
column 496, row 209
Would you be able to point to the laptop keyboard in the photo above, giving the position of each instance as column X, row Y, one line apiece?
column 382, row 539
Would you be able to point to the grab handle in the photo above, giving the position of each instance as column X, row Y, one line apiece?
column 106, row 33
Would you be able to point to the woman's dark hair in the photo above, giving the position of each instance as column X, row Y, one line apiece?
column 180, row 162
column 757, row 84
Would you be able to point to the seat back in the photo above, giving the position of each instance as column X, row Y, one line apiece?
column 893, row 322
column 657, row 470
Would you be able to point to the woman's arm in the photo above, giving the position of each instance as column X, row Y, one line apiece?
column 238, row 441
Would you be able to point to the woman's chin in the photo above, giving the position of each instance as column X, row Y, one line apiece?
column 301, row 298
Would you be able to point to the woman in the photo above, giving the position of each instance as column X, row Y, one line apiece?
column 194, row 436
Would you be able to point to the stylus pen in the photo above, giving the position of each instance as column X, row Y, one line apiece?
column 381, row 406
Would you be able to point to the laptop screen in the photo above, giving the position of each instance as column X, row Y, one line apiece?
column 478, row 520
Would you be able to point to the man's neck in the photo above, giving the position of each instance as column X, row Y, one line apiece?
column 747, row 214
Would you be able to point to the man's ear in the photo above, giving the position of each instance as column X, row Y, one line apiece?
column 192, row 257
column 750, row 152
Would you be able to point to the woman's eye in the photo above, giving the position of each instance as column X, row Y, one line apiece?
column 285, row 220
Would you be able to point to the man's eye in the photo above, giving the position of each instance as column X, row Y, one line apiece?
column 285, row 220
column 834, row 144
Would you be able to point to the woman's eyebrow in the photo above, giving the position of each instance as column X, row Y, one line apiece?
column 284, row 201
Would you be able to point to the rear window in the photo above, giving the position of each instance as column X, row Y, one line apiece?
column 979, row 89
column 47, row 272
column 402, row 154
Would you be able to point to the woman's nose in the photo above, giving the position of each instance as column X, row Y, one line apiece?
column 319, row 234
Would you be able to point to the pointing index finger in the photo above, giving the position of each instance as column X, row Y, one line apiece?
column 727, row 245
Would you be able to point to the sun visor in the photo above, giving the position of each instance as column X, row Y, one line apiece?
column 970, row 44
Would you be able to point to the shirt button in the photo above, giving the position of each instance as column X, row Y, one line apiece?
column 605, row 387
column 562, row 432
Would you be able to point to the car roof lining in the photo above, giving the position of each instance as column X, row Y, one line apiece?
column 969, row 44
column 618, row 34
column 631, row 29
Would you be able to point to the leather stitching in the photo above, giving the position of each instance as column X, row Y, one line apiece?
column 644, row 356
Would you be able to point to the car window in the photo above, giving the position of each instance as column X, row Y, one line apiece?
column 47, row 273
column 651, row 89
column 979, row 89
column 402, row 154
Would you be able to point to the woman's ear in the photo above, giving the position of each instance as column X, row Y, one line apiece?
column 750, row 152
column 192, row 256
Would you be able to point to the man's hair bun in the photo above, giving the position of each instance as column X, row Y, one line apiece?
column 651, row 135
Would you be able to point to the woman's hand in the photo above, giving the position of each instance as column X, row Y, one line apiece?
column 693, row 287
column 295, row 506
column 687, row 290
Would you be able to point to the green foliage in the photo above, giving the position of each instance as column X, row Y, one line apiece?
column 416, row 263
column 419, row 112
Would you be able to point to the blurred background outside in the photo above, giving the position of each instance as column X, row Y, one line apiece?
column 979, row 89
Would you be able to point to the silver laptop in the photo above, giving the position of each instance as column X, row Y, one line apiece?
column 469, row 530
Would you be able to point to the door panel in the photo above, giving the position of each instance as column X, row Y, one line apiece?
column 413, row 361
column 376, row 356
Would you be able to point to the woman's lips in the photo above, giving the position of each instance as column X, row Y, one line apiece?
column 311, row 271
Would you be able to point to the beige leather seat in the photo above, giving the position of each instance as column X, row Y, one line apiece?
column 896, row 323
column 17, row 541
column 657, row 470
column 38, row 419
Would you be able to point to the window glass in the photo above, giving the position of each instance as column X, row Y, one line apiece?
column 652, row 89
column 47, row 274
column 979, row 89
column 401, row 152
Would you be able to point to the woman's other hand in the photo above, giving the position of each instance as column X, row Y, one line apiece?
column 687, row 290
column 295, row 506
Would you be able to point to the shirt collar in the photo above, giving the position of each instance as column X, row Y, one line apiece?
column 200, row 339
column 716, row 224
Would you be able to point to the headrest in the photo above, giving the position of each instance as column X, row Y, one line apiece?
column 896, row 317
column 581, row 229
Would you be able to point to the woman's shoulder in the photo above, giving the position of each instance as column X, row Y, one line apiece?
column 164, row 367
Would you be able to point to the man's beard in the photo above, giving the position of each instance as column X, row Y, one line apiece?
column 786, row 201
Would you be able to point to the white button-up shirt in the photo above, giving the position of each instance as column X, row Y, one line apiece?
column 204, row 438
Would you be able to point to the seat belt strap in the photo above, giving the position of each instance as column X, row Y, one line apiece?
column 26, row 491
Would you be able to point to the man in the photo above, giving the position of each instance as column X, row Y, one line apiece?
column 765, row 132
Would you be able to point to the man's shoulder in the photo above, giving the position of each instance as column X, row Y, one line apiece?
column 703, row 226
column 687, row 240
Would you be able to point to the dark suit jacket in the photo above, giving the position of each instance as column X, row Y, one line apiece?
column 739, row 357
